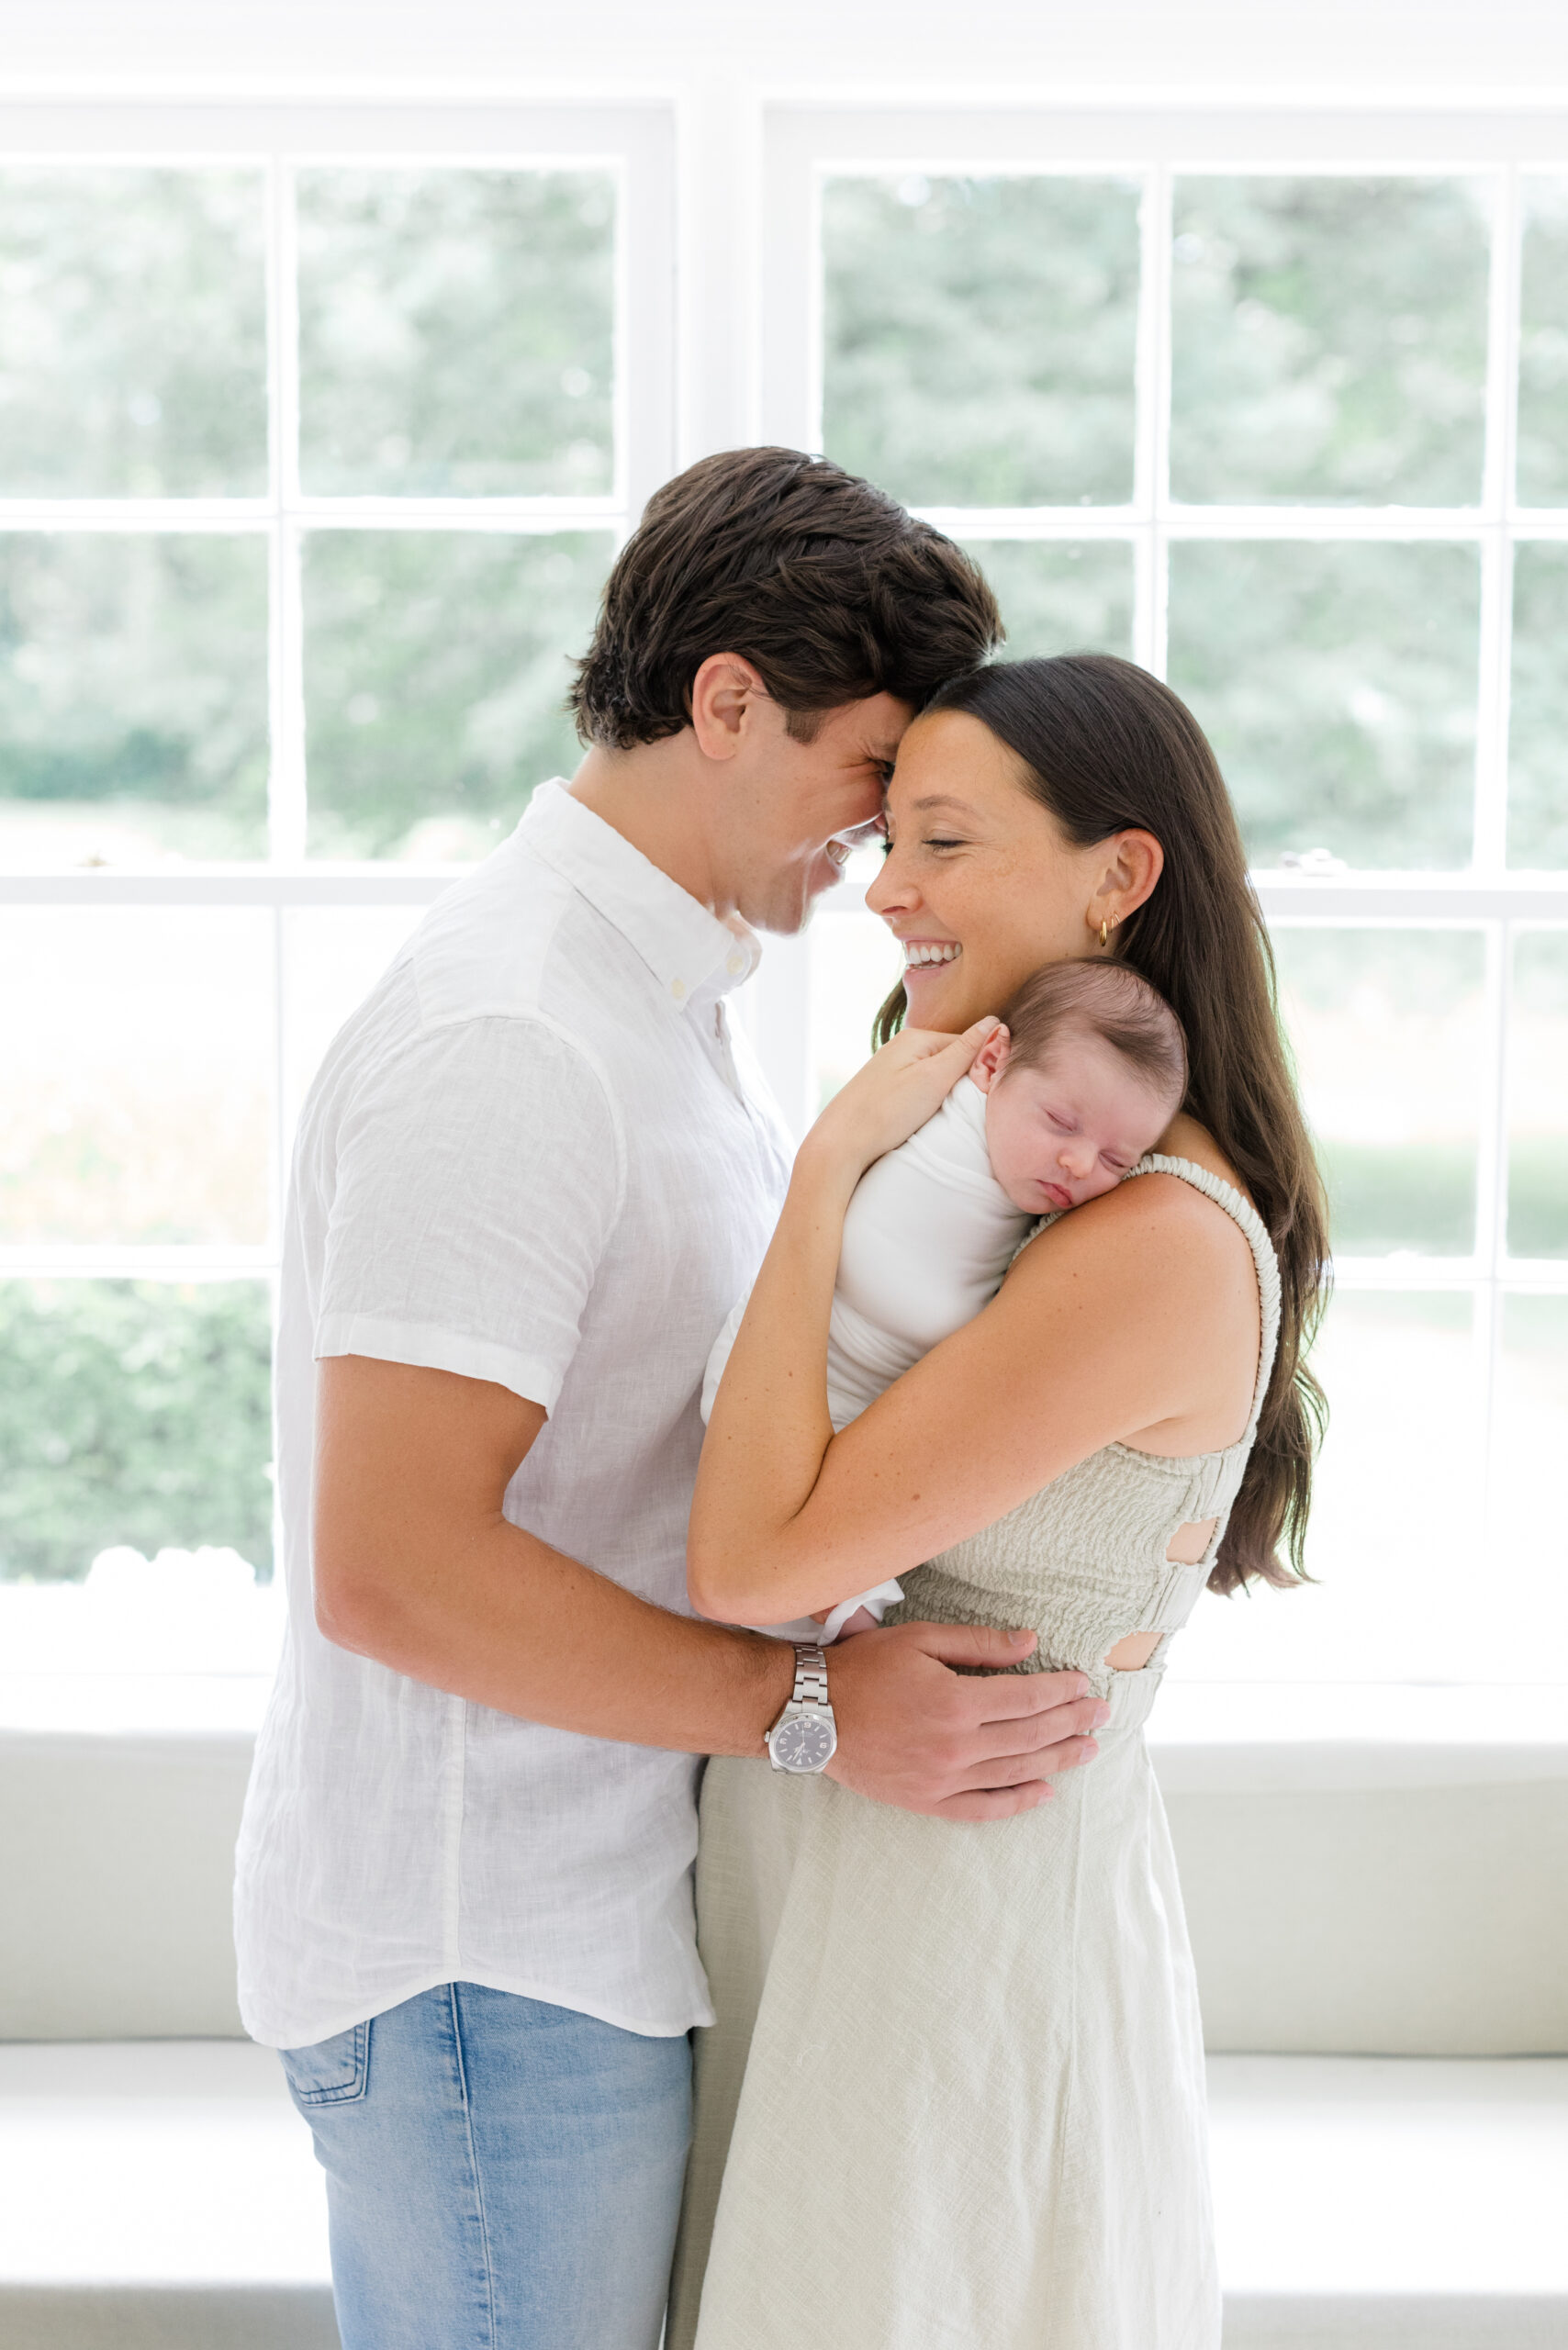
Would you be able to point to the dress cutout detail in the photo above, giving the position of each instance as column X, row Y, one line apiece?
column 953, row 2098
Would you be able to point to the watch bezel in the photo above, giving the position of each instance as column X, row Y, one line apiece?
column 821, row 1717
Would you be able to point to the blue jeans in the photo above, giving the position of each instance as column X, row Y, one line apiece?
column 500, row 2175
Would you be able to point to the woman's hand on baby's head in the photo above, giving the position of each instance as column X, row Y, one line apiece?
column 894, row 1094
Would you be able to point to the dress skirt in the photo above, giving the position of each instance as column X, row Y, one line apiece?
column 954, row 2096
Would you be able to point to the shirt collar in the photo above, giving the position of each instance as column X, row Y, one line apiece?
column 688, row 950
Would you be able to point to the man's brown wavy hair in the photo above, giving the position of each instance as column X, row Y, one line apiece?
column 1106, row 748
column 823, row 583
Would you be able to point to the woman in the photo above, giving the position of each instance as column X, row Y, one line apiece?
column 955, row 2090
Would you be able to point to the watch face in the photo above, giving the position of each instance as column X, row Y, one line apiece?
column 803, row 1742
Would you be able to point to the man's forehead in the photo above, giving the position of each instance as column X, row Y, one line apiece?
column 879, row 725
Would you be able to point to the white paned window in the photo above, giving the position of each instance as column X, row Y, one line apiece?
column 1278, row 407
column 319, row 427
column 318, row 435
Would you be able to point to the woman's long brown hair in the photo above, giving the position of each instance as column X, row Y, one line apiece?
column 1106, row 748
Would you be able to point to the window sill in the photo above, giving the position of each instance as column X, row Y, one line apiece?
column 1256, row 1738
column 1206, row 1738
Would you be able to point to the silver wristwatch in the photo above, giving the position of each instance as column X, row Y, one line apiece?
column 805, row 1736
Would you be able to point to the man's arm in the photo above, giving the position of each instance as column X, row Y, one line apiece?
column 417, row 1567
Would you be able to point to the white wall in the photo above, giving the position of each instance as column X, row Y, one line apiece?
column 1285, row 46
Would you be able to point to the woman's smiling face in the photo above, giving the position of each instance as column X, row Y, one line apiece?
column 982, row 886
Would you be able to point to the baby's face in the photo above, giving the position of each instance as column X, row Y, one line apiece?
column 1065, row 1130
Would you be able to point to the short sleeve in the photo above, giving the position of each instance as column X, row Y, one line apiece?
column 478, row 1178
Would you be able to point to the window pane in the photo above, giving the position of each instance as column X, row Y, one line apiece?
column 1389, row 1033
column 436, row 669
column 1058, row 597
column 133, row 698
column 1544, row 346
column 132, row 333
column 1328, row 340
column 1337, row 685
column 134, row 1413
column 456, row 332
column 137, row 1091
column 856, row 963
column 980, row 337
column 1538, row 1097
column 332, row 957
column 1537, row 725
column 1396, row 1517
column 1527, row 1535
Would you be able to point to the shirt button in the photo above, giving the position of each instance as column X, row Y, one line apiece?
column 735, row 964
column 678, row 988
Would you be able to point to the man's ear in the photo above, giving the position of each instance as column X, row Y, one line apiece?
column 991, row 1060
column 724, row 694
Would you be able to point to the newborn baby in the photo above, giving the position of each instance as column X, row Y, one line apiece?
column 1081, row 1079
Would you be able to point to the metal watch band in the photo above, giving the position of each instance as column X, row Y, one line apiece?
column 810, row 1677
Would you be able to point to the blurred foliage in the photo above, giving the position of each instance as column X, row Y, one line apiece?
column 136, row 1093
column 1381, row 974
column 1538, row 1196
column 436, row 663
column 134, row 1412
column 1388, row 1030
column 1337, row 685
column 133, row 342
column 1536, row 1325
column 1060, row 598
column 1538, row 1147
column 1384, row 1198
column 134, row 668
column 1542, row 438
column 1329, row 340
column 456, row 332
column 980, row 337
column 1538, row 721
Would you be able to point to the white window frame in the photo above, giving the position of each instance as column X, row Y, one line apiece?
column 805, row 143
column 635, row 143
column 719, row 339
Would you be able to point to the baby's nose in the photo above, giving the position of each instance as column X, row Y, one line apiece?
column 1075, row 1160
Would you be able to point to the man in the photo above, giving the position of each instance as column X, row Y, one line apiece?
column 531, row 1178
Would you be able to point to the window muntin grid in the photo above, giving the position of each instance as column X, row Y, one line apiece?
column 138, row 1256
column 705, row 336
column 1444, row 1256
column 626, row 151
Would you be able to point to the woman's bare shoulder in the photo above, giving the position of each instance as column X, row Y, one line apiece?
column 1152, row 1232
column 1184, row 1138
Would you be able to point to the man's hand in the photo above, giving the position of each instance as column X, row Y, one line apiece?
column 916, row 1735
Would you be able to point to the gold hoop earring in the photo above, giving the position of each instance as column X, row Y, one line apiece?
column 1104, row 933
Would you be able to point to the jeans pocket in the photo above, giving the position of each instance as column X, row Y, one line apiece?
column 329, row 2071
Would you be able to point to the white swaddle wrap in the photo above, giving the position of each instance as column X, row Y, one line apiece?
column 927, row 1238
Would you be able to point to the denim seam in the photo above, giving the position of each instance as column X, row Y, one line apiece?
column 474, row 2163
column 345, row 2092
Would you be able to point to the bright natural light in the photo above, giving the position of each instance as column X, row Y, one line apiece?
column 313, row 466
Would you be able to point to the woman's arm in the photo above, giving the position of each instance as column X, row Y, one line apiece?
column 770, row 1417
column 1135, row 1318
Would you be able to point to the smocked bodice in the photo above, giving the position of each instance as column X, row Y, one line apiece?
column 1082, row 1562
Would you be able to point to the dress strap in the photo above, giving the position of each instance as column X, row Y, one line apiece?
column 1226, row 1195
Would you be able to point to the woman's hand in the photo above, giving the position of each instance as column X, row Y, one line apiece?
column 897, row 1090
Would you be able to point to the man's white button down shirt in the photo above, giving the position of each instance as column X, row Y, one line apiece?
column 537, row 1155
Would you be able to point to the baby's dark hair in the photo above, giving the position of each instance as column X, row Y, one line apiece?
column 1105, row 1000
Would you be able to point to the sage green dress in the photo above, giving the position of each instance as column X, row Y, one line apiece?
column 953, row 2098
